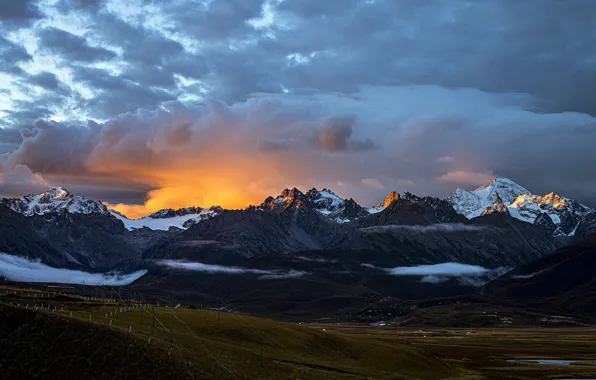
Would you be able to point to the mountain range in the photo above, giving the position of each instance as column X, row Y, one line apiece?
column 326, row 254
column 560, row 216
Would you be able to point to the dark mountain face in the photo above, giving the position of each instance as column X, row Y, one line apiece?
column 245, row 233
column 89, row 241
column 20, row 239
column 269, row 230
column 545, row 222
column 491, row 241
column 412, row 210
column 563, row 280
column 587, row 224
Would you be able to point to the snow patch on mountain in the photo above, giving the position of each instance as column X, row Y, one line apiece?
column 165, row 219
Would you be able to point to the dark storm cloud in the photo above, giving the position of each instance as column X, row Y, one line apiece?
column 335, row 136
column 140, row 45
column 71, row 47
column 117, row 94
column 150, row 76
column 45, row 80
column 18, row 11
column 54, row 148
column 79, row 5
column 24, row 113
column 10, row 55
column 220, row 20
column 10, row 139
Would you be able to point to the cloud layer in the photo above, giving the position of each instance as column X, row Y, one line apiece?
column 210, row 268
column 229, row 101
column 440, row 227
column 23, row 270
column 471, row 275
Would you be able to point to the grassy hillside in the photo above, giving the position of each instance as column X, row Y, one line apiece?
column 140, row 341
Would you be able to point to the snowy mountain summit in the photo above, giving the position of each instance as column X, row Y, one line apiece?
column 55, row 200
column 504, row 195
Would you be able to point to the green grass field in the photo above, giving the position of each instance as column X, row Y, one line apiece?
column 209, row 344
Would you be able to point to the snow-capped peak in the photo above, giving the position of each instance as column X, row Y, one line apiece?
column 506, row 188
column 55, row 200
column 504, row 195
column 57, row 193
column 474, row 203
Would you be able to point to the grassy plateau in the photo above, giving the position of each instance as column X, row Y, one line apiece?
column 48, row 335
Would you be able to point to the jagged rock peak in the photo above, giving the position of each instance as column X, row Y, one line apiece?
column 325, row 202
column 169, row 212
column 294, row 193
column 393, row 196
column 497, row 207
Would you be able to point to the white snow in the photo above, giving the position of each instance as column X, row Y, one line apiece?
column 335, row 200
column 21, row 269
column 162, row 224
column 520, row 202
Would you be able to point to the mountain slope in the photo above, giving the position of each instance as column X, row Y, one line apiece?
column 410, row 209
column 562, row 280
column 35, row 345
column 87, row 241
column 491, row 241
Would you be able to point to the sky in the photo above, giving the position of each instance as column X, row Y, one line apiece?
column 153, row 104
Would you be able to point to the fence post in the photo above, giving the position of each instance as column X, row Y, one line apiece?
column 171, row 335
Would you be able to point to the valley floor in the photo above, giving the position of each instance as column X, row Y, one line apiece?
column 45, row 335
